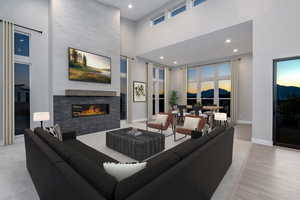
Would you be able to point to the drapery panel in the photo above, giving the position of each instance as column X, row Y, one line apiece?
column 235, row 65
column 150, row 90
column 8, row 83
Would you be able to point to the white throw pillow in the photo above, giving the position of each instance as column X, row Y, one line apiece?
column 122, row 171
column 191, row 123
column 161, row 119
column 58, row 132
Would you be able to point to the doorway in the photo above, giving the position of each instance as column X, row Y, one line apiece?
column 286, row 95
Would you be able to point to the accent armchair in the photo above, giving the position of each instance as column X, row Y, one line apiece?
column 162, row 127
column 187, row 131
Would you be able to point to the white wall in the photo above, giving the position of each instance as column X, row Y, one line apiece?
column 139, row 109
column 208, row 17
column 1, row 84
column 245, row 90
column 33, row 14
column 139, row 69
column 89, row 26
column 128, row 37
column 275, row 35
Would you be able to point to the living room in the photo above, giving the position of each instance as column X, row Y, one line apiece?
column 116, row 88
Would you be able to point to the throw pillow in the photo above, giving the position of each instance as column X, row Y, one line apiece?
column 58, row 132
column 55, row 131
column 122, row 171
column 191, row 123
column 51, row 131
column 161, row 119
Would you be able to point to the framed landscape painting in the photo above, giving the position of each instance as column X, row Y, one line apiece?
column 139, row 91
column 89, row 67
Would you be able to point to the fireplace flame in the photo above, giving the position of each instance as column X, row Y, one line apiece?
column 92, row 110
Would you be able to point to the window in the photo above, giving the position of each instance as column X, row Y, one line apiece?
column 21, row 44
column 197, row 2
column 158, row 90
column 22, row 97
column 210, row 85
column 158, row 20
column 123, row 99
column 178, row 10
column 22, row 60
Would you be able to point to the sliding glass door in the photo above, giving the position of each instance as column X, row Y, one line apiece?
column 22, row 81
column 22, row 98
column 286, row 120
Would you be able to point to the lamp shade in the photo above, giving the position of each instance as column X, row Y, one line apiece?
column 41, row 116
column 221, row 116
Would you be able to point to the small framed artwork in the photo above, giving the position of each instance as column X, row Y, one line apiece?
column 139, row 91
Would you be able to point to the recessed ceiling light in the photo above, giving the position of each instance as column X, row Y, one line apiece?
column 162, row 57
column 228, row 41
column 130, row 6
column 175, row 62
column 235, row 50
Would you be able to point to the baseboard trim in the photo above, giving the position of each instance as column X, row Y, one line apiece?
column 244, row 122
column 262, row 142
column 140, row 120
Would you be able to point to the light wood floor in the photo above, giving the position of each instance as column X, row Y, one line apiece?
column 270, row 173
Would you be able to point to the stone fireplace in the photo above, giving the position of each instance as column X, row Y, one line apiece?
column 86, row 114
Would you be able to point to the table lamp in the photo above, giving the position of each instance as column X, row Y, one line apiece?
column 41, row 116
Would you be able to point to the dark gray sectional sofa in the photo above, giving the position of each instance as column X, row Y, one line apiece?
column 72, row 170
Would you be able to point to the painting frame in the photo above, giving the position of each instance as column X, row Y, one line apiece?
column 139, row 98
column 109, row 82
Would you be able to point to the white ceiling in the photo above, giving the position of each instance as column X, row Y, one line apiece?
column 140, row 9
column 206, row 48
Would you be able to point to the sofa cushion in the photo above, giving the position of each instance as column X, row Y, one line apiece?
column 184, row 149
column 36, row 142
column 95, row 175
column 93, row 155
column 155, row 167
column 216, row 132
column 70, row 148
column 85, row 160
column 63, row 150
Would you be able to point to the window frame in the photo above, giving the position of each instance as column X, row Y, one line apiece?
column 20, row 58
column 215, row 79
column 155, row 21
column 177, row 8
column 194, row 4
column 157, row 82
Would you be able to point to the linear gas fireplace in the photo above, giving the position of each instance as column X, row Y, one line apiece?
column 86, row 114
column 88, row 110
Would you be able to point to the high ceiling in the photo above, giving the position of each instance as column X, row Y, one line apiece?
column 206, row 48
column 140, row 9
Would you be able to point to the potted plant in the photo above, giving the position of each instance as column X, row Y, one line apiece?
column 198, row 108
column 173, row 99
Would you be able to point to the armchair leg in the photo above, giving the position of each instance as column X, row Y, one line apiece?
column 178, row 139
